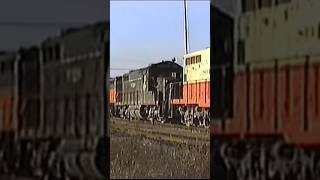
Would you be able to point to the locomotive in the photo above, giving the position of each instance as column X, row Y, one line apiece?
column 52, row 111
column 165, row 91
column 144, row 93
column 193, row 101
column 265, row 84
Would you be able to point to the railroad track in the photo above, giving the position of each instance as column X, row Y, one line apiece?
column 167, row 132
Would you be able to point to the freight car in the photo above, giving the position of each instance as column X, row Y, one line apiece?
column 53, row 100
column 144, row 93
column 265, row 84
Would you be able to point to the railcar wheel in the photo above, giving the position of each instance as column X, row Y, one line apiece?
column 189, row 118
column 181, row 114
column 186, row 117
column 131, row 113
column 272, row 165
column 206, row 119
column 2, row 162
column 25, row 158
column 127, row 114
column 162, row 120
column 316, row 168
column 72, row 167
column 218, row 166
column 88, row 162
column 206, row 123
column 121, row 112
column 10, row 155
column 143, row 112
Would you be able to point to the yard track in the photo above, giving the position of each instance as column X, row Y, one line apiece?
column 166, row 131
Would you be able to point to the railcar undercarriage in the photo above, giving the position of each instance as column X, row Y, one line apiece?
column 194, row 116
column 189, row 116
column 73, row 159
column 263, row 160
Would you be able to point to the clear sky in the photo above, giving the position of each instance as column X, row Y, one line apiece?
column 145, row 32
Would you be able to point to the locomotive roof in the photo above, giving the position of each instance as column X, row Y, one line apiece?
column 94, row 26
column 145, row 68
column 154, row 65
column 71, row 31
column 140, row 69
column 198, row 52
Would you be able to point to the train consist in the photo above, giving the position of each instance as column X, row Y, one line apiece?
column 165, row 91
column 265, row 84
column 52, row 121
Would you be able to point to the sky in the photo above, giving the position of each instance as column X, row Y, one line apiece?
column 71, row 12
column 145, row 32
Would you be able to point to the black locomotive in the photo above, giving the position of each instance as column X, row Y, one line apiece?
column 55, row 122
column 145, row 93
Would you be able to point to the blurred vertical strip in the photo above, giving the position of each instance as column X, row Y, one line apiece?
column 103, row 149
column 107, row 70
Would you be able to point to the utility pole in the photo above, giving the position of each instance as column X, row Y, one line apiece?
column 186, row 27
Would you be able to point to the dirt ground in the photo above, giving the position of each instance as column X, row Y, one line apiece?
column 135, row 156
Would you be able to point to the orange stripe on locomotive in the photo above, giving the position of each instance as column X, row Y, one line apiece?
column 7, row 125
column 113, row 96
column 195, row 94
column 112, row 91
column 278, row 104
